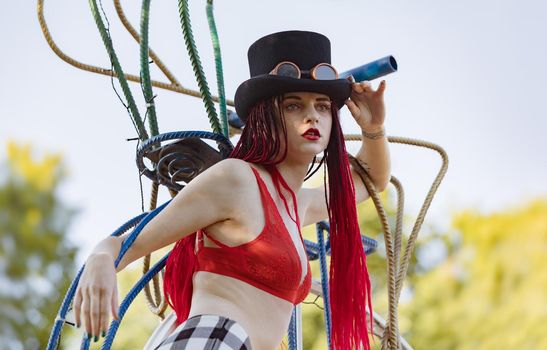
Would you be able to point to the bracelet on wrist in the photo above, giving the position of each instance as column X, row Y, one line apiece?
column 374, row 135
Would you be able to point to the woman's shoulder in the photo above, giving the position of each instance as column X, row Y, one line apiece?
column 230, row 172
column 228, row 183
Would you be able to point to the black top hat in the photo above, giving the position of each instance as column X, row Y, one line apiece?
column 306, row 50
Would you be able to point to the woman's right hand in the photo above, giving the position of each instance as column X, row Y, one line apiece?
column 97, row 292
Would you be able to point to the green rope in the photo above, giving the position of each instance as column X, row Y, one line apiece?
column 218, row 65
column 196, row 65
column 145, row 70
column 143, row 135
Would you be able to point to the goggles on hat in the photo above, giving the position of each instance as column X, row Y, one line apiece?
column 322, row 71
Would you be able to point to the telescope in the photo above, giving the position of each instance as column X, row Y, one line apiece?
column 372, row 70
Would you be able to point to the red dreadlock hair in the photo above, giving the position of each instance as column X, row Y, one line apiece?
column 260, row 140
column 349, row 286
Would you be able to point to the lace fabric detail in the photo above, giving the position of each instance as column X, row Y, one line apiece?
column 270, row 262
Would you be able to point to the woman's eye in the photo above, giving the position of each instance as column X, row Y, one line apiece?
column 291, row 107
column 324, row 107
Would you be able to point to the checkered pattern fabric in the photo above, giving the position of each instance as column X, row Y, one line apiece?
column 207, row 332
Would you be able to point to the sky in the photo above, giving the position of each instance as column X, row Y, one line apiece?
column 471, row 79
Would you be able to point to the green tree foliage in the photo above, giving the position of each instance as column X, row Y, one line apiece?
column 489, row 292
column 36, row 260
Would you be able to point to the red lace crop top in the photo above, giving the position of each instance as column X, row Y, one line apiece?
column 270, row 262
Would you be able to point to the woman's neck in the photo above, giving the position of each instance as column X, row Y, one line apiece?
column 293, row 173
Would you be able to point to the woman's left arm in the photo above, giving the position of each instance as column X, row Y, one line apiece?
column 367, row 108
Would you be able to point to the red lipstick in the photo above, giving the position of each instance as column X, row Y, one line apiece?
column 312, row 134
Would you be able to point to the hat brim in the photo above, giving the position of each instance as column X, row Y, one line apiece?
column 264, row 86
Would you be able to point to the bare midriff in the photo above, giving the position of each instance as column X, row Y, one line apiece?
column 264, row 316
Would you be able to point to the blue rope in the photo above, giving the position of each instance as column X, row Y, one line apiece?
column 320, row 228
column 131, row 238
column 292, row 331
column 84, row 345
column 69, row 296
column 369, row 244
column 57, row 326
column 312, row 248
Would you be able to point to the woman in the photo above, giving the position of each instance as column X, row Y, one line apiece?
column 239, row 265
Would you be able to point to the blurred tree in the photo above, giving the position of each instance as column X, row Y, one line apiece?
column 489, row 293
column 36, row 259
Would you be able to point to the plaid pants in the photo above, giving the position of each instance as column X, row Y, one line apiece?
column 207, row 332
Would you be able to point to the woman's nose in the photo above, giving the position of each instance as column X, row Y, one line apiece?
column 312, row 116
